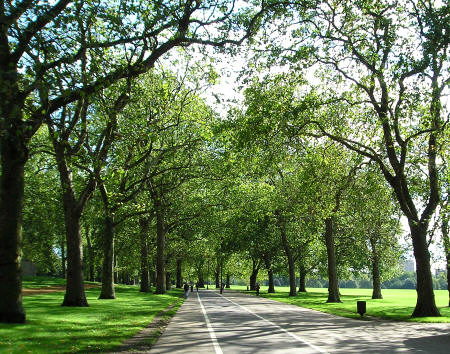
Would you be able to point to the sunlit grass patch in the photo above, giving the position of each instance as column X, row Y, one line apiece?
column 105, row 324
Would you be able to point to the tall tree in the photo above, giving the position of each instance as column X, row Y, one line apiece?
column 40, row 43
column 393, row 61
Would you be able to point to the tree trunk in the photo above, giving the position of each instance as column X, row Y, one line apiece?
column 168, row 281
column 271, row 289
column 217, row 274
column 116, row 267
column 254, row 275
column 376, row 294
column 227, row 282
column 152, row 275
column 179, row 275
column 160, row 249
column 289, row 256
column 333, row 285
column 199, row 268
column 108, row 260
column 90, row 254
column 63, row 258
column 302, row 276
column 145, row 279
column 201, row 280
column 268, row 265
column 13, row 158
column 75, row 295
column 426, row 305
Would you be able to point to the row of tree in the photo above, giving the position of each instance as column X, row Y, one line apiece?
column 304, row 175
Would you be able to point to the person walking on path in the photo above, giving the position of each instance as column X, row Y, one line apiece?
column 257, row 289
column 186, row 290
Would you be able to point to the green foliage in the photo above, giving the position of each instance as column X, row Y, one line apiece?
column 43, row 230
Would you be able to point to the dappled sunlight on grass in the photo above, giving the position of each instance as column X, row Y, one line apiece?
column 51, row 328
column 397, row 304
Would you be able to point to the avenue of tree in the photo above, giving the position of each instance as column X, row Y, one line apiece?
column 115, row 167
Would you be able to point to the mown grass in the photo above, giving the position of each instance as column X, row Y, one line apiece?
column 104, row 325
column 397, row 304
column 42, row 282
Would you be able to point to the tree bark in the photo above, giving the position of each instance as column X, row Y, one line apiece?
column 13, row 157
column 73, row 207
column 145, row 278
column 302, row 276
column 160, row 248
column 199, row 269
column 90, row 254
column 201, row 280
column 217, row 274
column 271, row 289
column 116, row 267
column 254, row 275
column 75, row 295
column 288, row 252
column 426, row 305
column 152, row 275
column 63, row 258
column 179, row 276
column 108, row 260
column 269, row 269
column 333, row 284
column 168, row 281
column 376, row 280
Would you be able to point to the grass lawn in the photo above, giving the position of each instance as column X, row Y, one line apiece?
column 397, row 304
column 51, row 328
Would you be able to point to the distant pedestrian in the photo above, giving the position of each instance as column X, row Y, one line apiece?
column 257, row 289
column 196, row 286
column 186, row 290
column 192, row 288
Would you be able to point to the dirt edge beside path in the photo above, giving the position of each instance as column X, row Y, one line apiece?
column 52, row 289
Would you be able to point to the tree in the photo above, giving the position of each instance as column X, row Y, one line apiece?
column 373, row 220
column 43, row 226
column 367, row 50
column 43, row 44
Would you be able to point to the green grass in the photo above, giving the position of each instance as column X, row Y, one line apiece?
column 397, row 304
column 42, row 282
column 104, row 325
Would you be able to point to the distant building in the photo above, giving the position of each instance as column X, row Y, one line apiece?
column 28, row 268
column 438, row 272
column 409, row 265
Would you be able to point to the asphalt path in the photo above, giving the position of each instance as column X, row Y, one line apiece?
column 209, row 322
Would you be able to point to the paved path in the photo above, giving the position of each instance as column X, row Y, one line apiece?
column 237, row 323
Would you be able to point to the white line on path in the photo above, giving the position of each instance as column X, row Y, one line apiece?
column 275, row 325
column 210, row 329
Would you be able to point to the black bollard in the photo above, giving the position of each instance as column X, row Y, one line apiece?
column 361, row 307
